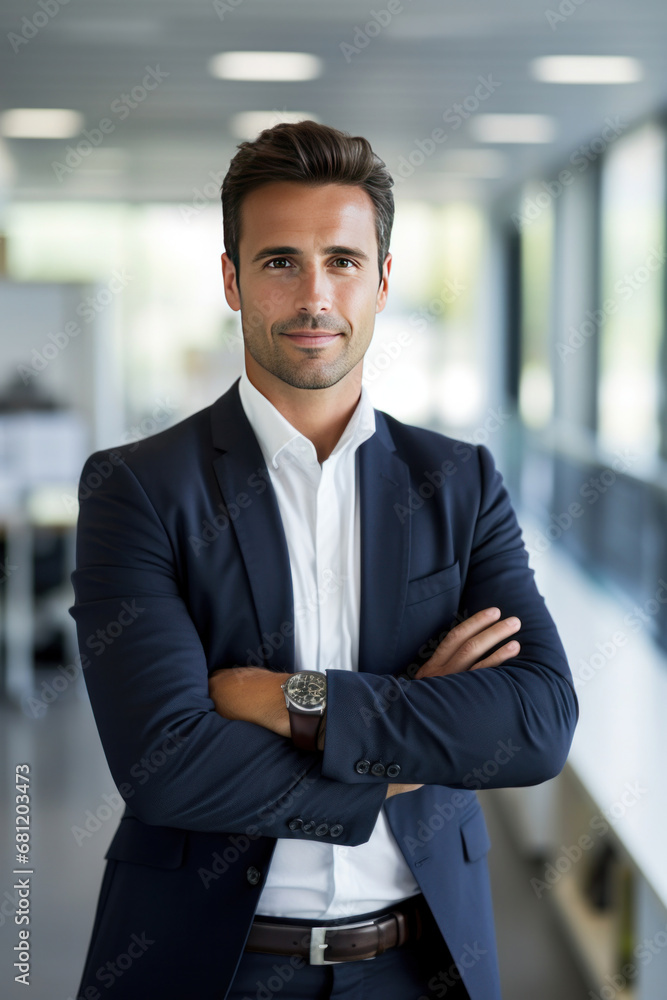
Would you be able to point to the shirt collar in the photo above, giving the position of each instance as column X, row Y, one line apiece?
column 276, row 435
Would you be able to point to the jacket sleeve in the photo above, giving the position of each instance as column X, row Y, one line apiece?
column 175, row 760
column 496, row 727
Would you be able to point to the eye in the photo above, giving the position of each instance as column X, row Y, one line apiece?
column 286, row 260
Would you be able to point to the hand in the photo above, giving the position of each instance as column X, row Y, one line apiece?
column 460, row 650
column 462, row 647
column 251, row 694
column 397, row 789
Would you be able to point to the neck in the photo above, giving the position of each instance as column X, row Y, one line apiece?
column 321, row 415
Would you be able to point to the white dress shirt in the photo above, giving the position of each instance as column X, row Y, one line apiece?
column 319, row 506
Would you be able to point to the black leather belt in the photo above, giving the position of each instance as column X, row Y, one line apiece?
column 344, row 942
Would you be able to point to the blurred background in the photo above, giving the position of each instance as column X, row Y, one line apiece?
column 526, row 312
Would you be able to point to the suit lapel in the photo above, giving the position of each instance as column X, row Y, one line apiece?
column 385, row 547
column 385, row 534
column 240, row 470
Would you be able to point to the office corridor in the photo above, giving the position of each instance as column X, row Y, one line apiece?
column 514, row 191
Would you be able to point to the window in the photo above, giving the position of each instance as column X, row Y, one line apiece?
column 633, row 237
column 535, row 379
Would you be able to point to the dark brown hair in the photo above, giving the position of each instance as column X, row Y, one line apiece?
column 309, row 153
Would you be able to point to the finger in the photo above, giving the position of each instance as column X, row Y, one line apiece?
column 466, row 630
column 476, row 647
column 465, row 654
column 472, row 650
column 505, row 652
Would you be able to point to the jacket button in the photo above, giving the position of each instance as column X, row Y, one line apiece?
column 336, row 830
column 322, row 830
column 377, row 769
column 362, row 766
column 296, row 823
column 393, row 770
column 309, row 826
column 253, row 875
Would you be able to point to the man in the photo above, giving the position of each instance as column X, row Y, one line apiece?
column 302, row 613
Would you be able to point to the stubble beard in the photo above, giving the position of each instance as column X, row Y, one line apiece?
column 307, row 374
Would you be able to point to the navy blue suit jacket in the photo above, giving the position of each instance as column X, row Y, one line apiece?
column 183, row 568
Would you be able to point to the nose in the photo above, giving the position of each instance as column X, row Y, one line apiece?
column 313, row 292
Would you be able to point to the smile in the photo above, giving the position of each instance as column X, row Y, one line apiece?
column 310, row 339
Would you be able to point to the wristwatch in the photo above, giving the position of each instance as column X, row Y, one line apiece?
column 306, row 699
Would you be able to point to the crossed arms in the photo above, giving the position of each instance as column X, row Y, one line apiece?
column 233, row 775
column 253, row 694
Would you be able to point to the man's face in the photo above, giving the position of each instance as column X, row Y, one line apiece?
column 310, row 287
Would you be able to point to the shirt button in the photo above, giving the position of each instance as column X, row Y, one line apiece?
column 322, row 830
column 336, row 830
column 253, row 875
column 393, row 770
column 309, row 826
column 296, row 823
column 377, row 769
column 362, row 766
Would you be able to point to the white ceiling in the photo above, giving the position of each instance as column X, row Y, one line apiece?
column 395, row 91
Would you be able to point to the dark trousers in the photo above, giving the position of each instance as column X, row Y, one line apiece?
column 418, row 970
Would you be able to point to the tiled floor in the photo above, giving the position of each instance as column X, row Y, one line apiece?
column 70, row 779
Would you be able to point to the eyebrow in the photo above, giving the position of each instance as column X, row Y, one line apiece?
column 295, row 252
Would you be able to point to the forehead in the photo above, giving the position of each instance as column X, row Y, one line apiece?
column 287, row 211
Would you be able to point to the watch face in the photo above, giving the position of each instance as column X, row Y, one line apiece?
column 307, row 689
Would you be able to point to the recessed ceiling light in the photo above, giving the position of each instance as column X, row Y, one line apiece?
column 248, row 124
column 512, row 128
column 265, row 66
column 586, row 69
column 40, row 123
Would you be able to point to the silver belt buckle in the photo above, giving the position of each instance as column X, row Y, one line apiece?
column 318, row 943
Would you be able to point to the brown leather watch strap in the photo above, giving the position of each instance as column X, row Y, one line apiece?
column 304, row 730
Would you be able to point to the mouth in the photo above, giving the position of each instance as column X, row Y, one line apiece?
column 311, row 339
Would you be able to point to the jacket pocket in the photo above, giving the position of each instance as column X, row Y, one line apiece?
column 475, row 836
column 434, row 584
column 142, row 844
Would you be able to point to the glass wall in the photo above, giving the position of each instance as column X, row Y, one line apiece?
column 633, row 256
column 591, row 372
column 535, row 378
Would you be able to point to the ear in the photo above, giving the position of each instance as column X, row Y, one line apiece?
column 383, row 290
column 232, row 293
